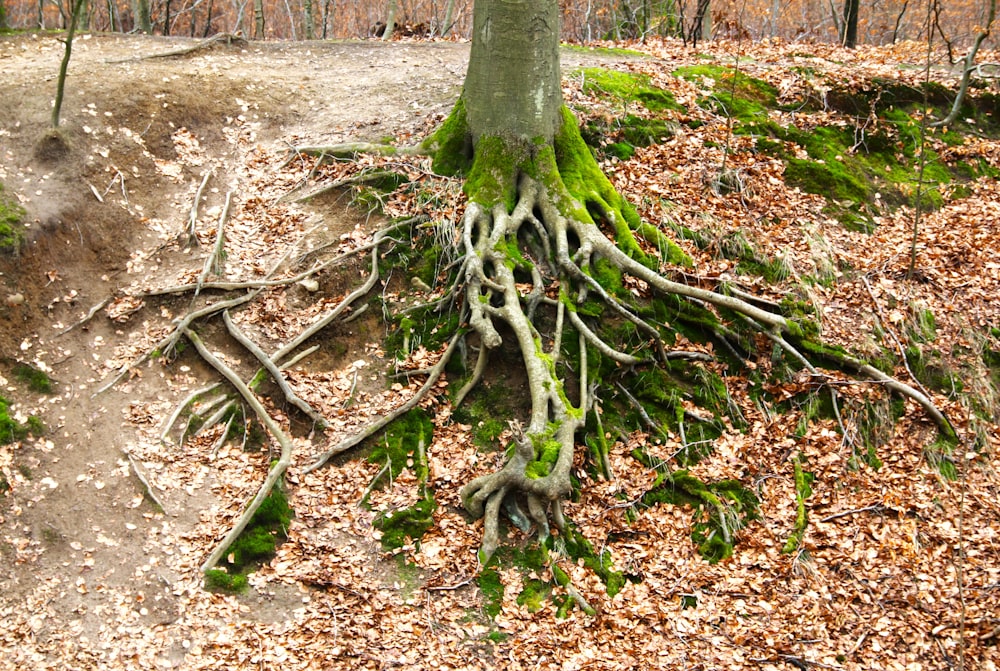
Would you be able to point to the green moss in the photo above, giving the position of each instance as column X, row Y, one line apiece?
column 11, row 224
column 734, row 94
column 627, row 87
column 407, row 525
column 492, row 589
column 11, row 430
column 619, row 137
column 803, row 490
column 533, row 594
column 37, row 380
column 258, row 542
column 218, row 580
column 451, row 143
column 400, row 444
column 939, row 455
column 581, row 550
column 492, row 179
column 595, row 199
column 721, row 509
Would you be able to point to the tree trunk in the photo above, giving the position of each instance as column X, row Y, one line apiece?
column 327, row 15
column 64, row 66
column 449, row 18
column 166, row 18
column 3, row 16
column 310, row 26
column 390, row 20
column 850, row 35
column 513, row 87
column 258, row 19
column 143, row 18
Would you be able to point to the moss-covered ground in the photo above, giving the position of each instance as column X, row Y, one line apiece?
column 11, row 223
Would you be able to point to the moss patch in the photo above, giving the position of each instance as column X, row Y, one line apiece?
column 37, row 380
column 256, row 545
column 720, row 509
column 626, row 88
column 11, row 224
column 11, row 430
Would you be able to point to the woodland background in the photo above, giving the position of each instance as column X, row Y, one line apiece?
column 880, row 23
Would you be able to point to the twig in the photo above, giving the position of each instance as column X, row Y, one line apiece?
column 877, row 508
column 90, row 315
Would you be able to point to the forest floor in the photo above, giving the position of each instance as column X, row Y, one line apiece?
column 901, row 568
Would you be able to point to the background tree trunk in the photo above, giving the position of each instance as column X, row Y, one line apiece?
column 390, row 21
column 310, row 26
column 850, row 35
column 258, row 19
column 513, row 86
column 143, row 19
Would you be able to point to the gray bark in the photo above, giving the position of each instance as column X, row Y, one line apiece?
column 513, row 87
column 142, row 17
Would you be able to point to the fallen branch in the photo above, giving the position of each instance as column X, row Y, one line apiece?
column 219, row 38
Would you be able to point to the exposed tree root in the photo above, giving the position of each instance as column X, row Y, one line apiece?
column 560, row 249
column 433, row 375
column 218, row 38
column 278, row 467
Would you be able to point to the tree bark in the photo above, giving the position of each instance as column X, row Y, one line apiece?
column 850, row 35
column 513, row 87
column 258, row 19
column 390, row 21
column 64, row 66
column 310, row 25
column 143, row 17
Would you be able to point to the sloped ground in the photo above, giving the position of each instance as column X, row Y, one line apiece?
column 898, row 561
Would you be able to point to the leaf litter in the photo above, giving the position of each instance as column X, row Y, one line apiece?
column 895, row 561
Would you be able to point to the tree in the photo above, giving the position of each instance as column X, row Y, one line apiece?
column 76, row 9
column 144, row 21
column 542, row 213
column 849, row 35
column 544, row 258
column 3, row 16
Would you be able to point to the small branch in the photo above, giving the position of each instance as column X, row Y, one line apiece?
column 90, row 315
column 877, row 508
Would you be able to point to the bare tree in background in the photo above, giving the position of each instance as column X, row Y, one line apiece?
column 849, row 34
